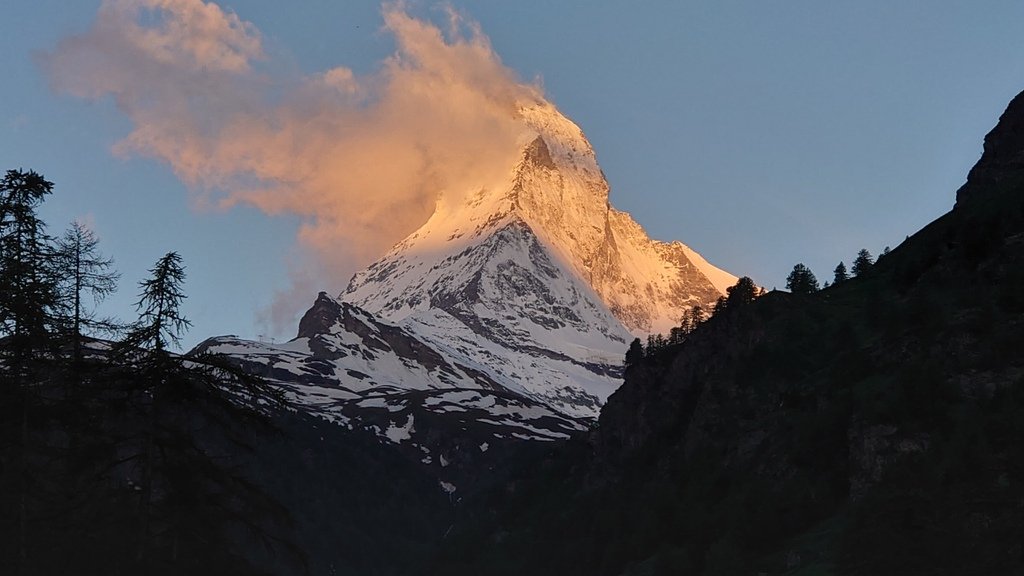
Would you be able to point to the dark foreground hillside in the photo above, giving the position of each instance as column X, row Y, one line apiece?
column 875, row 427
column 232, row 491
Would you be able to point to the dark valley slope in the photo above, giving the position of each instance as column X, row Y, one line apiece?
column 875, row 427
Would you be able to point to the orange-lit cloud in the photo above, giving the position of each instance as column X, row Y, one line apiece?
column 362, row 159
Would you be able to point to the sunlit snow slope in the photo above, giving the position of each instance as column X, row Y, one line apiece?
column 538, row 278
column 528, row 287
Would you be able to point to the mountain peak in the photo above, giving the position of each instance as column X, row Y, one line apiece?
column 320, row 317
column 537, row 279
column 558, row 193
column 567, row 146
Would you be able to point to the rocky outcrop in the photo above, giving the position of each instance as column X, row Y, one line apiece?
column 320, row 317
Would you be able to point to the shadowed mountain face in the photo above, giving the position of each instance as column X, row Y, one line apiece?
column 875, row 427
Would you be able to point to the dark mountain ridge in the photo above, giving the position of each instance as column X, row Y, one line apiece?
column 875, row 427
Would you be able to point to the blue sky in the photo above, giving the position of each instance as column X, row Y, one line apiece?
column 761, row 134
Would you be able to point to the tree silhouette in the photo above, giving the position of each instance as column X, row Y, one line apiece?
column 741, row 293
column 635, row 353
column 719, row 307
column 28, row 296
column 840, row 274
column 28, row 291
column 188, row 499
column 144, row 352
column 139, row 470
column 160, row 322
column 84, row 272
column 862, row 263
column 697, row 316
column 801, row 280
column 693, row 318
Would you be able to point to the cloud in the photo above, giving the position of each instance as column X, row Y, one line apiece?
column 362, row 159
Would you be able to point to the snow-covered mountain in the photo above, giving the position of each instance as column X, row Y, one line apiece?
column 358, row 371
column 529, row 287
column 538, row 279
column 555, row 200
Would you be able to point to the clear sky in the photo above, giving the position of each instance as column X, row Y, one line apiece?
column 762, row 134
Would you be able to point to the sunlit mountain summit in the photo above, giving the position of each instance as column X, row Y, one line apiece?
column 530, row 287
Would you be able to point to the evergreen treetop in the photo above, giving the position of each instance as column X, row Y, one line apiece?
column 27, row 275
column 83, row 272
column 863, row 262
column 840, row 274
column 801, row 280
column 161, row 322
column 741, row 293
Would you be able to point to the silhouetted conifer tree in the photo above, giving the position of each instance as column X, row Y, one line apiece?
column 28, row 290
column 741, row 293
column 84, row 273
column 840, row 274
column 188, row 497
column 801, row 280
column 720, row 306
column 28, row 296
column 862, row 263
column 635, row 353
column 161, row 322
column 691, row 319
